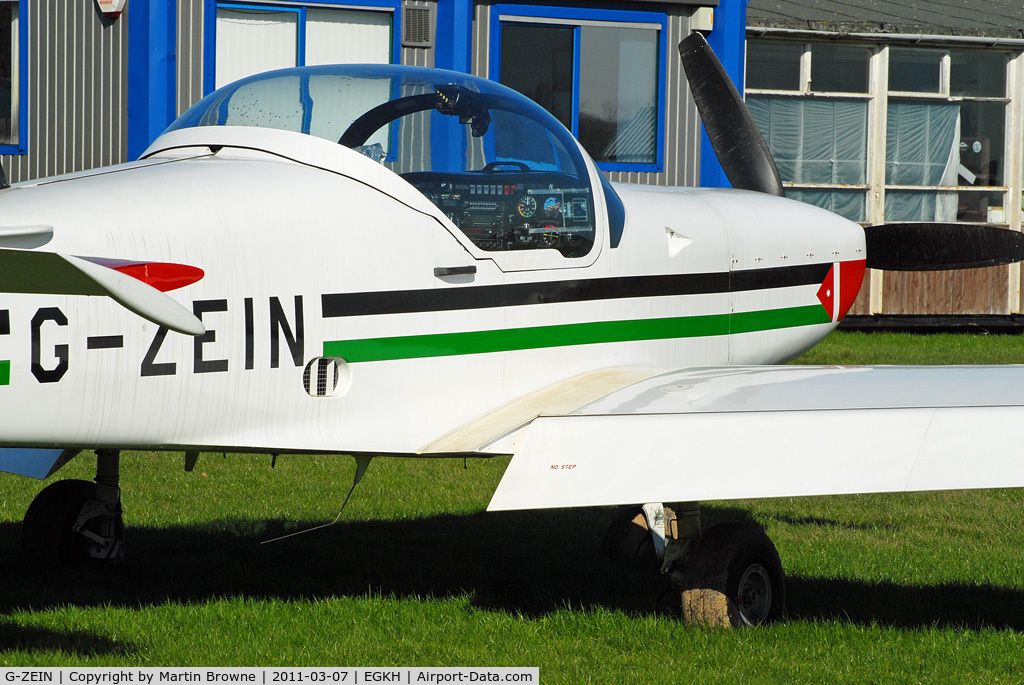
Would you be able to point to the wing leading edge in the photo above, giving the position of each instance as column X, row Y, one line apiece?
column 750, row 432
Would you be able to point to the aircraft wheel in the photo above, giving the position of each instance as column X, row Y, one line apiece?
column 628, row 541
column 47, row 538
column 733, row 578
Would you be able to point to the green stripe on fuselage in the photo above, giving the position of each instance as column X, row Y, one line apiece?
column 505, row 340
column 5, row 373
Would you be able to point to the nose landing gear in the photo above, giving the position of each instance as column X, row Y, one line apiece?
column 71, row 521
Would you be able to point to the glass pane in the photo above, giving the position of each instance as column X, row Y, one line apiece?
column 915, row 71
column 922, row 145
column 772, row 65
column 981, row 207
column 816, row 140
column 981, row 143
column 252, row 41
column 977, row 74
column 839, row 68
column 538, row 62
column 347, row 37
column 965, row 205
column 273, row 103
column 513, row 139
column 8, row 73
column 619, row 94
column 851, row 204
column 912, row 205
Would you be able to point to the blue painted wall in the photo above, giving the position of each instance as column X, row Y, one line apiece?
column 728, row 40
column 454, row 35
column 152, row 67
column 152, row 73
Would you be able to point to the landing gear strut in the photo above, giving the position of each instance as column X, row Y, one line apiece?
column 729, row 575
column 75, row 520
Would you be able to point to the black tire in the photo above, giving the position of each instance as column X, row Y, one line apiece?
column 628, row 542
column 733, row 578
column 47, row 540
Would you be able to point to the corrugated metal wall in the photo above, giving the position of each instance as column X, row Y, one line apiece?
column 190, row 53
column 682, row 123
column 77, row 90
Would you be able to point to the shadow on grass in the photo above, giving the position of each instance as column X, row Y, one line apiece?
column 818, row 522
column 529, row 563
column 14, row 638
column 901, row 606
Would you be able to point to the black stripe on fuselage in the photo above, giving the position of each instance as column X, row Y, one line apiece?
column 556, row 292
column 104, row 342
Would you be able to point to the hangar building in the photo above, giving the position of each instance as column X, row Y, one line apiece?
column 88, row 88
column 874, row 109
column 887, row 111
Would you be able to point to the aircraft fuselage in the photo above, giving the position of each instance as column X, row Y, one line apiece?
column 303, row 262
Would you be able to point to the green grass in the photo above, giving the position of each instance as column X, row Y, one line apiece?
column 899, row 348
column 882, row 589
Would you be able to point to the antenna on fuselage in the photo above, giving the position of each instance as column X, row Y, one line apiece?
column 361, row 464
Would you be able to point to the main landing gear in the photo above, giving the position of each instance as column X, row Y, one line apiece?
column 729, row 575
column 76, row 520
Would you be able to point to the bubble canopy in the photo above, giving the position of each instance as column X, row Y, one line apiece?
column 499, row 166
column 411, row 111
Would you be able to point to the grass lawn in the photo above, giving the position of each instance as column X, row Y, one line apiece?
column 902, row 588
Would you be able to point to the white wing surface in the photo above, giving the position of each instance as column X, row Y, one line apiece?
column 749, row 432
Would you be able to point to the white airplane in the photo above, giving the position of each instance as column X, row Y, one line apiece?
column 456, row 279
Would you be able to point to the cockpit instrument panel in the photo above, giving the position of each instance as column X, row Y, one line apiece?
column 514, row 211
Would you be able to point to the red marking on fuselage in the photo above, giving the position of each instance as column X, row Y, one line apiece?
column 851, row 277
column 163, row 276
column 846, row 288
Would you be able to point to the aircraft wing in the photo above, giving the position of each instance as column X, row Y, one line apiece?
column 779, row 431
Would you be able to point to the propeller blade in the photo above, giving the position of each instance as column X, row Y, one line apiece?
column 941, row 246
column 737, row 141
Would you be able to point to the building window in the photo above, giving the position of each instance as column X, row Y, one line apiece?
column 945, row 135
column 252, row 38
column 937, row 129
column 811, row 102
column 12, row 80
column 599, row 72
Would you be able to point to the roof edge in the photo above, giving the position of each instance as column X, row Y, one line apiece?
column 880, row 29
column 1015, row 40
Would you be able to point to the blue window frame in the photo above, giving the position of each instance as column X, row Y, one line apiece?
column 601, row 72
column 301, row 16
column 13, row 77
